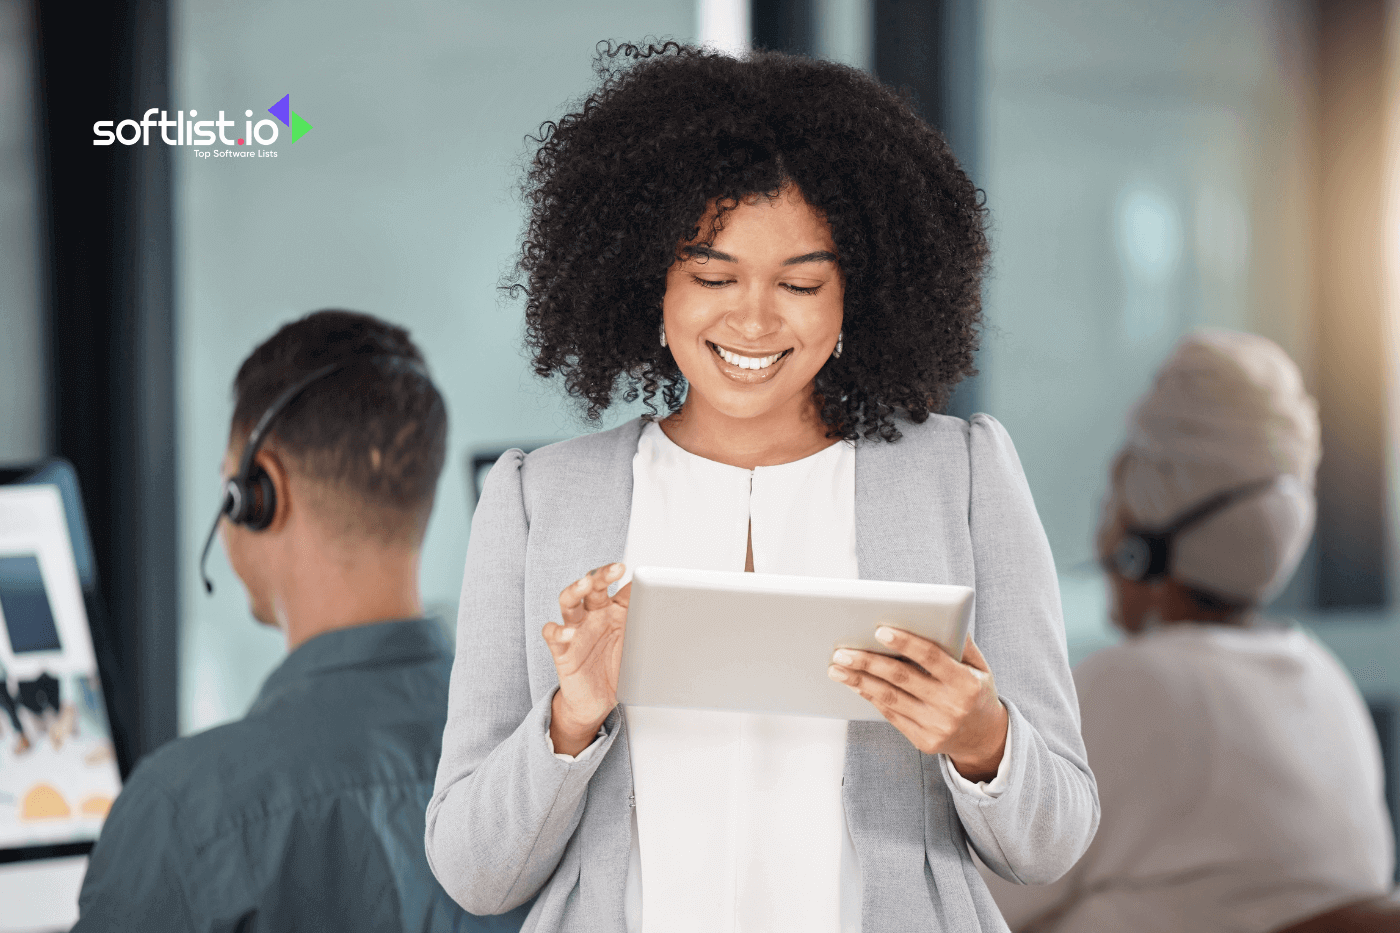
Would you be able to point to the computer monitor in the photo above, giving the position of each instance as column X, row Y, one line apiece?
column 58, row 766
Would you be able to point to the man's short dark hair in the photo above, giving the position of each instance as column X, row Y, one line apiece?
column 373, row 433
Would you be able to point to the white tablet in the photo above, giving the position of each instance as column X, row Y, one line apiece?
column 761, row 643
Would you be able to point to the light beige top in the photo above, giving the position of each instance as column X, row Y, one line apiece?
column 1241, row 785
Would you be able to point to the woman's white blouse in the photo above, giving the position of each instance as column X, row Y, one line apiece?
column 738, row 822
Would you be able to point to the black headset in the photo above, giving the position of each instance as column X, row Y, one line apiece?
column 249, row 497
column 1145, row 554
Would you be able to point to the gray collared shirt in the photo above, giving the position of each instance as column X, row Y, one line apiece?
column 307, row 814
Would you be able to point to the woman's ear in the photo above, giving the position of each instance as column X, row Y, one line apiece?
column 272, row 465
column 1134, row 602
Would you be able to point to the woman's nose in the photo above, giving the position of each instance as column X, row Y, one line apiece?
column 756, row 315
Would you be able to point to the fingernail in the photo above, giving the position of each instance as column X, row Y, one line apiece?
column 884, row 634
column 835, row 673
column 582, row 582
column 612, row 567
column 567, row 635
column 842, row 656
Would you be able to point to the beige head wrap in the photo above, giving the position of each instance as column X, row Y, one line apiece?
column 1226, row 409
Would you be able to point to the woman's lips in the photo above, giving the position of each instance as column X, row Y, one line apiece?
column 746, row 369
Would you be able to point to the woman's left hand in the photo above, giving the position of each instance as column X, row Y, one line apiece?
column 940, row 705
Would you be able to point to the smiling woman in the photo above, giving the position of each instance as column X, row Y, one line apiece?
column 674, row 142
column 791, row 259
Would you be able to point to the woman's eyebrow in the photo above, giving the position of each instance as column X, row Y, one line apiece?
column 707, row 252
column 820, row 255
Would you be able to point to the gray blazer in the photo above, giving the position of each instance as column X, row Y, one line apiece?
column 947, row 503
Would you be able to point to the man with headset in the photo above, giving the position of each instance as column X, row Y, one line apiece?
column 307, row 814
column 1239, row 773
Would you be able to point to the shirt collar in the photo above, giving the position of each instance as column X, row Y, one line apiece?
column 372, row 644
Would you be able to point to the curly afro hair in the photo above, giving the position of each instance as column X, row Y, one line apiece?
column 617, row 186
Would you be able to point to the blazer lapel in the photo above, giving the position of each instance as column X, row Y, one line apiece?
column 892, row 510
column 567, row 540
column 907, row 494
column 604, row 482
column 911, row 507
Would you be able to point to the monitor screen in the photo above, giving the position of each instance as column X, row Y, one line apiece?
column 25, row 605
column 58, row 770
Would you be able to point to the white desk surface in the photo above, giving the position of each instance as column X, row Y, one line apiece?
column 42, row 896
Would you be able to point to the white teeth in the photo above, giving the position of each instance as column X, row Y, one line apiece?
column 746, row 362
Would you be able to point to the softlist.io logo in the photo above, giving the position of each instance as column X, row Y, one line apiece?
column 192, row 132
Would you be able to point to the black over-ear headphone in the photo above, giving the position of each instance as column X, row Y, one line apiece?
column 249, row 497
column 1145, row 554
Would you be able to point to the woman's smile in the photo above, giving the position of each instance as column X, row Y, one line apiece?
column 747, row 369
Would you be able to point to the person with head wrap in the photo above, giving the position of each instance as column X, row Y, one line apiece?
column 1239, row 772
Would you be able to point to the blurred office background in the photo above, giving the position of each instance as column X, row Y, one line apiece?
column 1150, row 165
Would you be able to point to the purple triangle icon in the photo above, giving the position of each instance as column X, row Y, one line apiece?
column 282, row 110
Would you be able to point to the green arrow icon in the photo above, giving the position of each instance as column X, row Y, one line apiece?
column 299, row 127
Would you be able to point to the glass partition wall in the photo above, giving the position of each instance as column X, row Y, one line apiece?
column 1147, row 170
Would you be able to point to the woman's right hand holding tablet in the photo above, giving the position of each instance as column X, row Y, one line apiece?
column 587, row 650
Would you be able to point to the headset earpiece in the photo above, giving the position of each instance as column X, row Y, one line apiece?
column 235, row 501
column 1142, row 557
column 250, row 501
column 261, row 497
